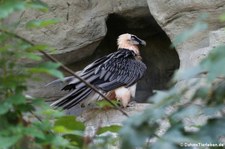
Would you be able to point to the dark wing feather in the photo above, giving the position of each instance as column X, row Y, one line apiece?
column 107, row 73
column 121, row 69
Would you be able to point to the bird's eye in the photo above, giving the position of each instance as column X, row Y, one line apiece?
column 133, row 37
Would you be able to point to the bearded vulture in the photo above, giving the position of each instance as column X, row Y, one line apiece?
column 115, row 75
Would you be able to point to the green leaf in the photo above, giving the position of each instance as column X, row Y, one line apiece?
column 215, row 71
column 64, row 131
column 38, row 4
column 163, row 98
column 50, row 65
column 184, row 112
column 213, row 63
column 112, row 128
column 6, row 142
column 14, row 80
column 137, row 129
column 61, row 129
column 188, row 73
column 56, row 73
column 17, row 99
column 104, row 103
column 133, row 139
column 72, row 128
column 25, row 107
column 38, row 47
column 32, row 56
column 212, row 131
column 49, row 68
column 34, row 132
column 173, row 137
column 199, row 26
column 41, row 23
column 201, row 92
column 51, row 112
column 54, row 141
column 70, row 123
column 9, row 6
column 59, row 141
column 164, row 144
column 41, row 47
column 5, row 106
column 212, row 110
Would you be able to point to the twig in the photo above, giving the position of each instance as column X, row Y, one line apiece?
column 67, row 70
column 37, row 117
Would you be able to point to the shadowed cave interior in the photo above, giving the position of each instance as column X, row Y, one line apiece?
column 160, row 59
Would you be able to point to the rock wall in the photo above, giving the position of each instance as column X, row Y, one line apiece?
column 82, row 25
column 88, row 30
column 175, row 16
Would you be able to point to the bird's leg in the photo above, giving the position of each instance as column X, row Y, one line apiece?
column 124, row 95
column 132, row 103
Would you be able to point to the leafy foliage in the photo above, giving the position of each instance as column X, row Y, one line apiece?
column 112, row 128
column 200, row 25
column 199, row 93
column 28, row 122
column 49, row 68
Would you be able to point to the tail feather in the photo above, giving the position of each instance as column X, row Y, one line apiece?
column 79, row 91
column 54, row 104
column 76, row 83
column 56, row 82
column 73, row 98
column 78, row 99
column 70, row 97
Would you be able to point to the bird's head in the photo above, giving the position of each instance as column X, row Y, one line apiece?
column 129, row 41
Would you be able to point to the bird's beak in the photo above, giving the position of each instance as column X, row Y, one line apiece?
column 138, row 41
column 143, row 43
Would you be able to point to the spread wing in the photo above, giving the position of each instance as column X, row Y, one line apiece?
column 107, row 73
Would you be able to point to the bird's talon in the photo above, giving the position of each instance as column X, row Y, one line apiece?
column 132, row 104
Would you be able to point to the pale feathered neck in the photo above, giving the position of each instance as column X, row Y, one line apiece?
column 124, row 43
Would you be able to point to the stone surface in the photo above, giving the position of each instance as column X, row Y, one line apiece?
column 175, row 16
column 99, row 117
column 82, row 25
column 216, row 38
column 85, row 30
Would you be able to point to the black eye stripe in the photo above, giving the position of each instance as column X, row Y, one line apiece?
column 135, row 38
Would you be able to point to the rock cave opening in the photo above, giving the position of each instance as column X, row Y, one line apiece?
column 160, row 59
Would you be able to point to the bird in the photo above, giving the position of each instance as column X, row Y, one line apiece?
column 115, row 75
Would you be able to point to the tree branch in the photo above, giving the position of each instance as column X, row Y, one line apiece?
column 66, row 69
